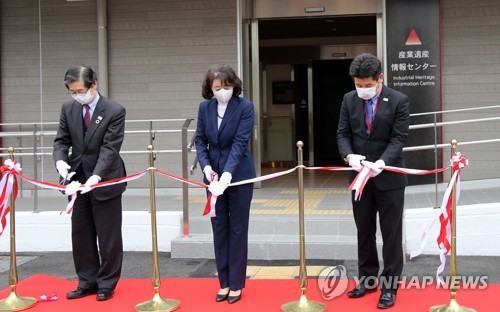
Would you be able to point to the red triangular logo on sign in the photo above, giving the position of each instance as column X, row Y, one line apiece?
column 413, row 38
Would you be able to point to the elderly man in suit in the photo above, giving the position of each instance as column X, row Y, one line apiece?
column 373, row 126
column 93, row 127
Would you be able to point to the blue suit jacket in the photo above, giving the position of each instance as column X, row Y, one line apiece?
column 226, row 149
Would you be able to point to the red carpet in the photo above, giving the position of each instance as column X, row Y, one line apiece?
column 259, row 295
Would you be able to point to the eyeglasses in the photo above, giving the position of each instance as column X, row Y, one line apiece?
column 78, row 93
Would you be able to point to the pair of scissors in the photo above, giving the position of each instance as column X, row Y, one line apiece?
column 68, row 177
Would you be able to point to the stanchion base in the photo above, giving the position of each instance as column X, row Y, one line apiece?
column 15, row 303
column 453, row 306
column 303, row 305
column 158, row 304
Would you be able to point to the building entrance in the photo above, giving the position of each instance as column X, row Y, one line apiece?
column 304, row 70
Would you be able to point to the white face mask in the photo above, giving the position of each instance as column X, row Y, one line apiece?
column 367, row 93
column 83, row 98
column 223, row 95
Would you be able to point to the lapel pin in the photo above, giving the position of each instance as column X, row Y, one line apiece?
column 98, row 120
column 386, row 100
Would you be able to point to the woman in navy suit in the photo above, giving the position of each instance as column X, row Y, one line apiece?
column 225, row 123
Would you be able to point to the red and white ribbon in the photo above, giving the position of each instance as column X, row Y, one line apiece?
column 458, row 162
column 265, row 177
column 8, row 184
column 67, row 189
column 363, row 176
column 72, row 188
column 45, row 298
column 126, row 179
column 212, row 199
column 183, row 180
column 331, row 168
column 359, row 182
column 210, row 205
column 357, row 185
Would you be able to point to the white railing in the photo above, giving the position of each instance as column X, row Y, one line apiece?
column 435, row 125
column 37, row 150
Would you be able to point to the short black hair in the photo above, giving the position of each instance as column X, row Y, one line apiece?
column 84, row 73
column 365, row 65
column 226, row 75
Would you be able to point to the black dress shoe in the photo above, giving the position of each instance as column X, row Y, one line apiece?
column 221, row 297
column 361, row 290
column 233, row 299
column 386, row 300
column 80, row 293
column 104, row 294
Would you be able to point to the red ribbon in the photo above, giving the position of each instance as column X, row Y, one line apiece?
column 458, row 161
column 208, row 204
column 359, row 182
column 51, row 297
column 8, row 185
column 211, row 199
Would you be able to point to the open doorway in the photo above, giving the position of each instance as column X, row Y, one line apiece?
column 305, row 73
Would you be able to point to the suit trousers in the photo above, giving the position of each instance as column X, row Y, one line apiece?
column 230, row 230
column 97, row 222
column 389, row 204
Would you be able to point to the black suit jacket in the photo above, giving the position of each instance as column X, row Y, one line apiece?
column 386, row 139
column 97, row 151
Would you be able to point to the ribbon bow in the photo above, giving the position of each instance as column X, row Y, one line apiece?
column 8, row 184
column 458, row 161
column 12, row 166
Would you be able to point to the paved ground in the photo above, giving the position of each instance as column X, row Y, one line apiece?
column 138, row 265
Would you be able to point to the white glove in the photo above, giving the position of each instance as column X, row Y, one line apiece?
column 226, row 178
column 210, row 175
column 217, row 188
column 355, row 161
column 377, row 168
column 91, row 181
column 62, row 167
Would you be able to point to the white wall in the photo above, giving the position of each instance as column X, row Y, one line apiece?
column 49, row 231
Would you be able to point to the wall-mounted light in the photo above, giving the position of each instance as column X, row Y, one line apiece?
column 314, row 9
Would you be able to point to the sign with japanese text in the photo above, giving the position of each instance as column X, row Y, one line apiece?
column 413, row 68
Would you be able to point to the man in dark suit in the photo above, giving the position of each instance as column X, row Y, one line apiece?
column 93, row 127
column 373, row 126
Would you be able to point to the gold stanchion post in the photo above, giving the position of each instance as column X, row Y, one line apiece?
column 453, row 306
column 14, row 302
column 303, row 304
column 157, row 303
